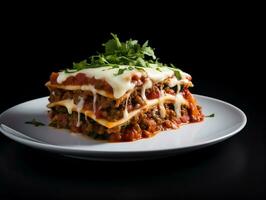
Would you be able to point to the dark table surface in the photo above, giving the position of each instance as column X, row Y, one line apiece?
column 217, row 55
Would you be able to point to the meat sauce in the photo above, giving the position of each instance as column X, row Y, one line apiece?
column 82, row 79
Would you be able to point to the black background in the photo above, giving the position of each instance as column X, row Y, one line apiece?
column 217, row 45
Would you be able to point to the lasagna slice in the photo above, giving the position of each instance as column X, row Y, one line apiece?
column 121, row 101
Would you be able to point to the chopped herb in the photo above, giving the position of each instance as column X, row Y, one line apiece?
column 118, row 53
column 211, row 115
column 80, row 65
column 35, row 122
column 139, row 68
column 158, row 69
column 120, row 71
column 177, row 74
column 115, row 66
column 130, row 68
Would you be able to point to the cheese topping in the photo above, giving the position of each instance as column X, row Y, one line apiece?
column 158, row 74
column 69, row 104
column 180, row 100
column 79, row 108
column 121, row 83
column 161, row 106
column 146, row 85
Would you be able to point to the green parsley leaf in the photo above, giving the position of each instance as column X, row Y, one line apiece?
column 80, row 65
column 35, row 122
column 120, row 71
column 112, row 45
column 130, row 68
column 158, row 69
column 70, row 71
column 177, row 74
column 148, row 50
column 141, row 62
column 211, row 115
column 139, row 68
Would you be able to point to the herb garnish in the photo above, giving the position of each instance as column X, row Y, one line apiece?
column 35, row 122
column 129, row 53
column 211, row 115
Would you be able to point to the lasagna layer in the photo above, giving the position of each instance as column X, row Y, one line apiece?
column 144, row 124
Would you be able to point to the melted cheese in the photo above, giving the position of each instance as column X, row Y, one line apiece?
column 79, row 108
column 69, row 104
column 173, row 82
column 125, row 113
column 145, row 86
column 162, row 109
column 158, row 75
column 120, row 83
column 161, row 104
column 180, row 100
column 123, row 82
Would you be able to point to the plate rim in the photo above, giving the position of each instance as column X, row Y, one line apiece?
column 68, row 149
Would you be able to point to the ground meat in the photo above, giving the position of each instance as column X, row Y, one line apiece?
column 107, row 108
column 153, row 93
column 194, row 110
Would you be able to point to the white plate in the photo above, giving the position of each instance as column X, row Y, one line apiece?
column 228, row 121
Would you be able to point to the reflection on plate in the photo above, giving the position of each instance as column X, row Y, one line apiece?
column 228, row 121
